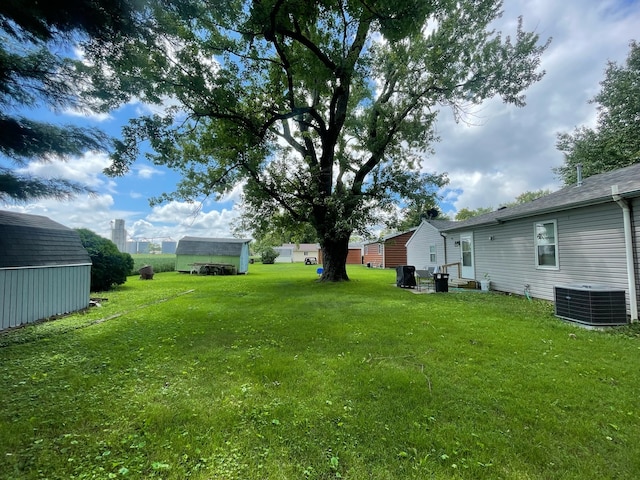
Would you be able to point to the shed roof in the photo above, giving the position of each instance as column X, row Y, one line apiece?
column 594, row 190
column 228, row 247
column 34, row 240
column 391, row 236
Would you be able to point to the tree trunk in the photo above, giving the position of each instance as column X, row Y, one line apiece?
column 334, row 259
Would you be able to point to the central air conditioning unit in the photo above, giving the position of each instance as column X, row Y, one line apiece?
column 595, row 305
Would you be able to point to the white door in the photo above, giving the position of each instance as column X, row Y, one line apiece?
column 466, row 256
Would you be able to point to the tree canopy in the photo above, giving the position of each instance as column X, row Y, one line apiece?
column 615, row 141
column 524, row 197
column 33, row 74
column 466, row 213
column 528, row 196
column 323, row 110
column 415, row 212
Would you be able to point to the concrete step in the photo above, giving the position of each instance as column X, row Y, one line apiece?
column 463, row 283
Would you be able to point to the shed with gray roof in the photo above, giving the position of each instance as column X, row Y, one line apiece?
column 585, row 233
column 44, row 269
column 203, row 250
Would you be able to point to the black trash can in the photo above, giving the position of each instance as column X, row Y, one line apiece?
column 441, row 281
column 406, row 276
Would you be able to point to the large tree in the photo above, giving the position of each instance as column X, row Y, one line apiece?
column 35, row 73
column 417, row 210
column 615, row 141
column 322, row 109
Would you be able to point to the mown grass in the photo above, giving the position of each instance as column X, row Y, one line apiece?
column 273, row 375
column 159, row 262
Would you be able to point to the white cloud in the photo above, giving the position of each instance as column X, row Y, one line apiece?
column 86, row 169
column 177, row 219
column 94, row 212
column 235, row 195
column 147, row 171
column 513, row 149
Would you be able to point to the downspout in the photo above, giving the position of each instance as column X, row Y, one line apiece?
column 628, row 244
column 444, row 237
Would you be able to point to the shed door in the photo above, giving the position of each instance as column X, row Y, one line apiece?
column 466, row 255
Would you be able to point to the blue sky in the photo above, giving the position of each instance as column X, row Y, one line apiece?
column 501, row 152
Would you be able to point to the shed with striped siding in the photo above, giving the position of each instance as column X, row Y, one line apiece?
column 44, row 269
column 231, row 251
column 388, row 252
column 589, row 244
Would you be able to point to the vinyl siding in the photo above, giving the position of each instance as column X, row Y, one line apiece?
column 210, row 250
column 184, row 262
column 395, row 250
column 635, row 226
column 590, row 250
column 285, row 255
column 451, row 252
column 418, row 247
column 372, row 256
column 30, row 294
column 354, row 256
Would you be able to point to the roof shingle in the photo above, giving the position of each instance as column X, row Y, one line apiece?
column 34, row 240
column 210, row 246
column 594, row 190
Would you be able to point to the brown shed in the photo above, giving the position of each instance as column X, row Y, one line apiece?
column 354, row 256
column 388, row 252
column 395, row 249
column 373, row 254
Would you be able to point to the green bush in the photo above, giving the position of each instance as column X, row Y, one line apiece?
column 269, row 255
column 110, row 266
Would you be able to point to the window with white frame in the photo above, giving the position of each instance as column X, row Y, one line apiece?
column 379, row 249
column 432, row 254
column 546, row 241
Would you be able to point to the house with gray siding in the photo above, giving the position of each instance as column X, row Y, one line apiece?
column 581, row 234
column 44, row 269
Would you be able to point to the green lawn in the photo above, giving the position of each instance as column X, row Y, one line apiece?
column 272, row 375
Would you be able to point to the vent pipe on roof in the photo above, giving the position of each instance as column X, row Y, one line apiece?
column 579, row 175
